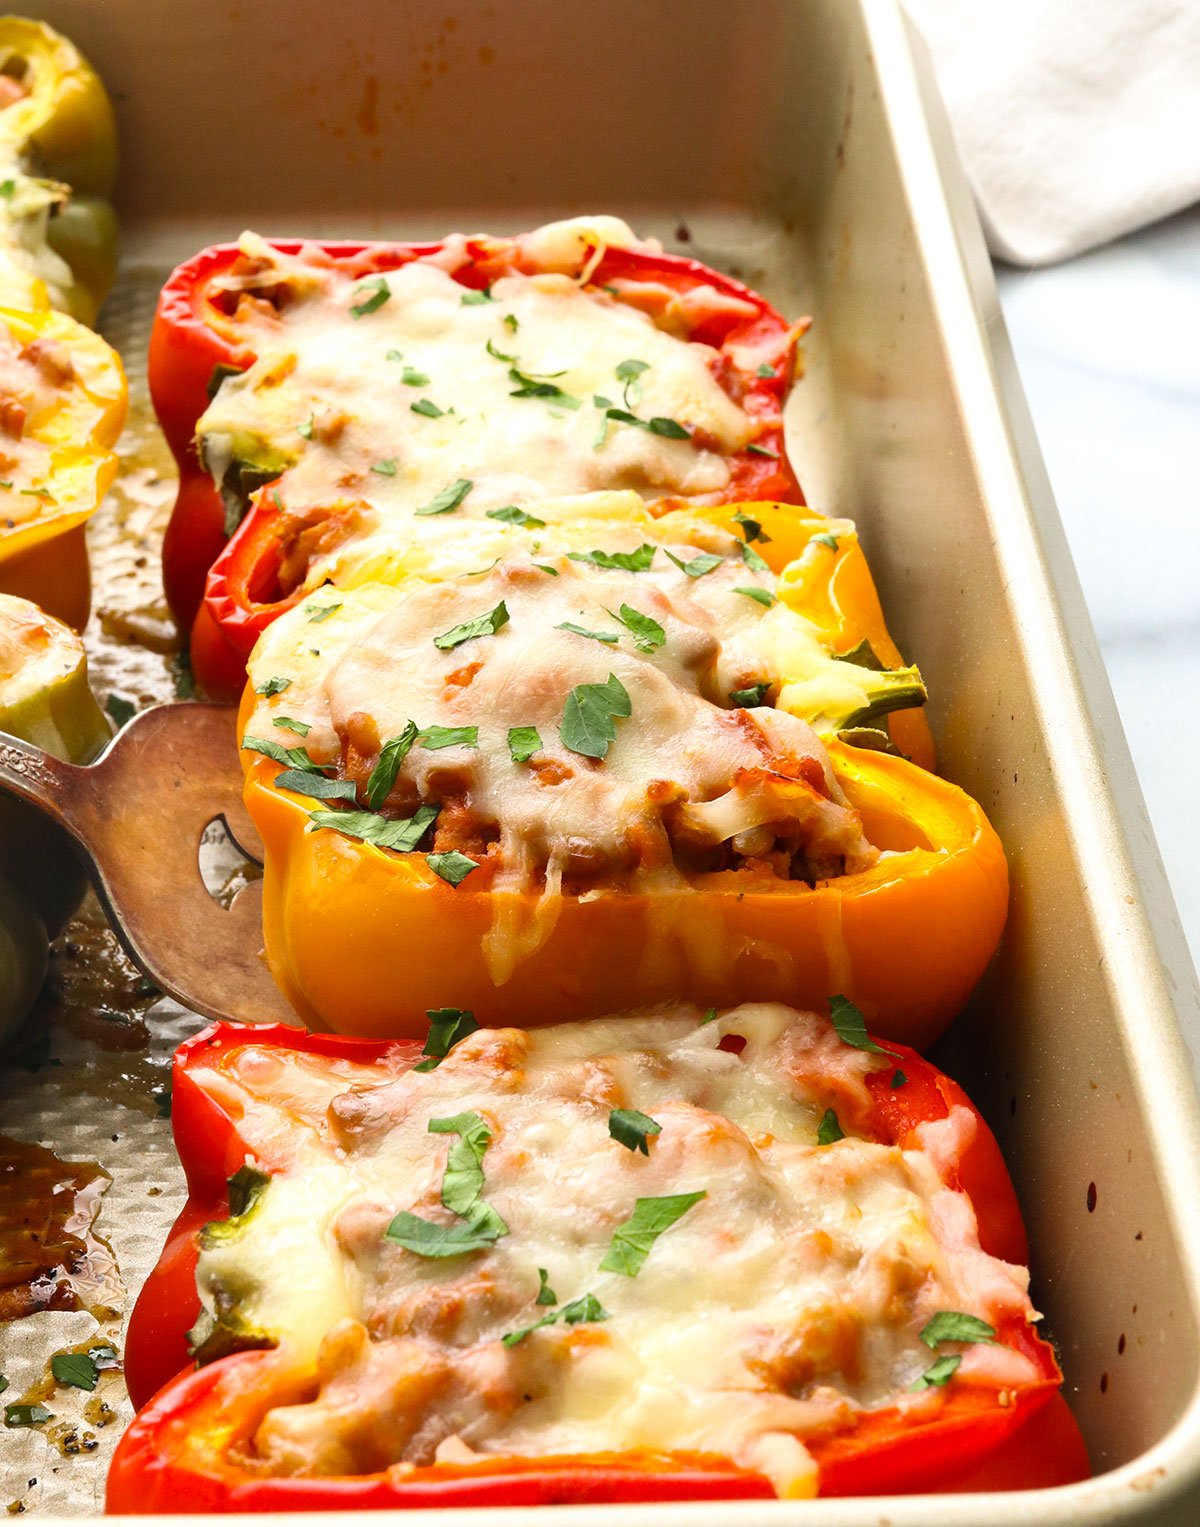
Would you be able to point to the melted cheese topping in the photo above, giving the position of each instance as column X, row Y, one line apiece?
column 783, row 1304
column 34, row 379
column 423, row 390
column 683, row 775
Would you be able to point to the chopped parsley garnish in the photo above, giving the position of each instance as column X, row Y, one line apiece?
column 596, row 636
column 586, row 1308
column 545, row 1294
column 391, row 755
column 411, row 377
column 379, row 292
column 751, row 528
column 427, row 407
column 477, row 298
column 588, row 716
column 220, row 372
column 668, row 429
column 75, row 1369
column 7, row 187
column 544, row 567
column 447, row 1025
column 449, row 498
column 823, row 538
column 829, row 1131
column 436, row 737
column 752, row 559
column 510, row 322
column 533, row 387
column 951, row 1325
column 761, row 450
column 754, row 695
column 709, row 1016
column 386, row 468
column 760, row 595
column 851, row 1027
column 523, row 743
column 486, row 624
column 622, row 561
column 512, row 514
column 630, row 1128
column 462, row 1188
column 452, row 867
column 698, row 566
column 120, row 709
column 306, row 429
column 26, row 1415
column 319, row 787
column 628, row 373
column 633, row 1239
column 274, row 686
column 938, row 1373
column 394, row 355
column 764, row 370
column 320, row 612
column 292, row 758
column 648, row 635
column 369, row 827
column 898, row 1079
column 290, row 724
column 500, row 355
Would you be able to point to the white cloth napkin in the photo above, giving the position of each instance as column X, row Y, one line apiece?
column 1077, row 120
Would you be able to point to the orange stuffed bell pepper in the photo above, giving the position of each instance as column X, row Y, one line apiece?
column 62, row 405
column 396, row 1302
column 572, row 782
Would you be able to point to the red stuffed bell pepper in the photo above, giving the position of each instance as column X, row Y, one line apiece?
column 386, row 378
column 408, row 1238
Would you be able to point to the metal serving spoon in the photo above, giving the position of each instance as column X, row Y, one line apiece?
column 138, row 816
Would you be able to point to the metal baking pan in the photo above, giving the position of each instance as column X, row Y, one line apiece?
column 798, row 144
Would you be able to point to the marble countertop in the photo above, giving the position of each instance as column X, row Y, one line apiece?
column 1108, row 347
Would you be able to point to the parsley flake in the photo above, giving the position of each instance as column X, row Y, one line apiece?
column 427, row 408
column 759, row 595
column 500, row 355
column 391, row 755
column 588, row 717
column 453, row 867
column 751, row 558
column 623, row 561
column 751, row 528
column 477, row 297
column 951, row 1325
column 668, row 429
column 825, row 539
column 852, row 1028
column 437, row 737
column 630, row 1128
column 26, row 1415
column 754, row 694
column 761, row 450
column 648, row 635
column 318, row 787
column 77, row 1370
column 898, row 1079
column 764, row 370
column 385, row 468
column 410, row 377
column 586, row 1308
column 401, row 836
column 829, row 1131
column 292, row 758
column 320, row 612
column 426, row 1239
column 272, row 686
column 510, row 322
column 596, row 636
column 379, row 292
column 633, row 1238
column 449, row 498
column 447, row 1025
column 698, row 566
column 486, row 624
column 306, row 429
column 512, row 514
column 290, row 724
column 120, row 709
column 523, row 743
column 533, row 387
column 938, row 1373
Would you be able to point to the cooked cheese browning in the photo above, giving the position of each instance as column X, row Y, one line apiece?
column 697, row 774
column 782, row 1304
column 383, row 392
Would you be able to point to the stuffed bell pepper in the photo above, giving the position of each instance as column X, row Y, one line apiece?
column 383, row 382
column 58, row 155
column 62, row 405
column 44, row 699
column 579, row 779
column 686, row 1255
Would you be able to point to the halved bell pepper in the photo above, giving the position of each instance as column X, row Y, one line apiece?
column 190, row 1448
column 63, row 400
column 44, row 699
column 58, row 156
column 197, row 340
column 363, row 940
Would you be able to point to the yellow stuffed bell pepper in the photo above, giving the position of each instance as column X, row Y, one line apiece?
column 44, row 699
column 63, row 401
column 572, row 783
column 58, row 157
